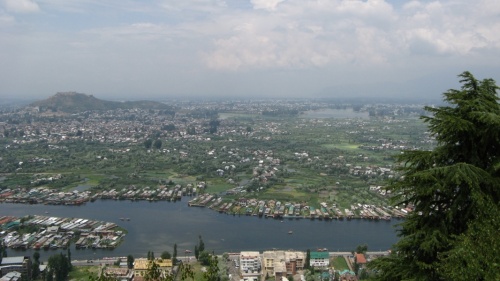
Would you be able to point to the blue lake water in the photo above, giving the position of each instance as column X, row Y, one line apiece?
column 156, row 226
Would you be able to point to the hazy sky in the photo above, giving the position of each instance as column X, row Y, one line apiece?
column 239, row 48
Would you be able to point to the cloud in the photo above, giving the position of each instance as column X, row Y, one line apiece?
column 21, row 6
column 196, row 45
column 269, row 5
column 308, row 34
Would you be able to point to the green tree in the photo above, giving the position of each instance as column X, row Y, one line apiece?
column 454, row 190
column 157, row 144
column 148, row 143
column 174, row 255
column 166, row 255
column 212, row 273
column 196, row 251
column 70, row 265
column 361, row 249
column 201, row 244
column 49, row 276
column 130, row 261
column 151, row 255
column 58, row 267
column 187, row 272
column 204, row 258
column 308, row 259
column 155, row 273
column 35, row 266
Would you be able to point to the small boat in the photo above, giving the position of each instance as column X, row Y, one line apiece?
column 187, row 251
column 290, row 232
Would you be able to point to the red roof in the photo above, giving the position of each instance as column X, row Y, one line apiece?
column 360, row 258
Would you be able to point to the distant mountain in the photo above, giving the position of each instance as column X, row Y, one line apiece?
column 72, row 102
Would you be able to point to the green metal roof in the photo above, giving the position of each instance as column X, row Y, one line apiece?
column 320, row 255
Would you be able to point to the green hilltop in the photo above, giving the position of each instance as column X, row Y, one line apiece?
column 72, row 102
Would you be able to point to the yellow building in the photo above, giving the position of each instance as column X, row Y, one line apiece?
column 141, row 266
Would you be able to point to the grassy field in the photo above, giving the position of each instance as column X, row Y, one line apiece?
column 82, row 273
column 339, row 263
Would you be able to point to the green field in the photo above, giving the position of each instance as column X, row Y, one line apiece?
column 286, row 159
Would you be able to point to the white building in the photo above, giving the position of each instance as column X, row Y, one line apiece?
column 250, row 261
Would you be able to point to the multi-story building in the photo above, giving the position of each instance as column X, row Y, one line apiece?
column 250, row 265
column 250, row 261
column 283, row 263
column 319, row 259
column 141, row 266
column 19, row 264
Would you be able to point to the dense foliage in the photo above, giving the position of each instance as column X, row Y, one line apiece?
column 454, row 190
column 58, row 267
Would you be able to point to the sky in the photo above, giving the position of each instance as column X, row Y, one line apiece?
column 155, row 49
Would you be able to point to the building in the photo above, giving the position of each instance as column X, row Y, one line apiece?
column 250, row 265
column 319, row 259
column 141, row 267
column 283, row 263
column 250, row 261
column 19, row 264
column 361, row 260
column 11, row 276
column 121, row 274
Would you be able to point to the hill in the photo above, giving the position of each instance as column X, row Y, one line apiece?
column 72, row 102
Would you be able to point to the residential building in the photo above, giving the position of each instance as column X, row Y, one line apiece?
column 283, row 263
column 250, row 265
column 250, row 261
column 121, row 274
column 19, row 264
column 141, row 266
column 11, row 276
column 319, row 259
column 361, row 260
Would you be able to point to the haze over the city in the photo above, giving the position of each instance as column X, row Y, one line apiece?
column 119, row 49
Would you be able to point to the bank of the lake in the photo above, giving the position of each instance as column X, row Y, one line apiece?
column 156, row 226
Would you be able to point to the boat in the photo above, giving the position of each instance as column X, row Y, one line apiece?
column 290, row 232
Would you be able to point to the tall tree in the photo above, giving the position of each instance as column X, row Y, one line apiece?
column 196, row 251
column 148, row 143
column 58, row 267
column 308, row 259
column 155, row 273
column 201, row 244
column 454, row 190
column 35, row 269
column 157, row 144
column 70, row 265
column 174, row 255
column 130, row 261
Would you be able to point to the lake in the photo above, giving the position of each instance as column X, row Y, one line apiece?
column 156, row 226
column 335, row 113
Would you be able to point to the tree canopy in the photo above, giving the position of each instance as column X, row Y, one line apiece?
column 454, row 191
